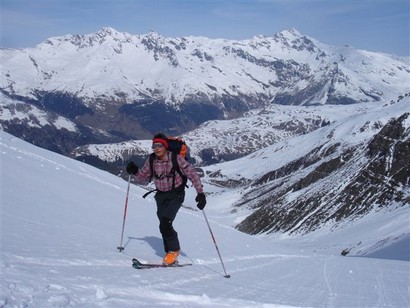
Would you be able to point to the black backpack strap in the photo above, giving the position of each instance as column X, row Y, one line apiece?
column 175, row 167
column 150, row 192
column 151, row 166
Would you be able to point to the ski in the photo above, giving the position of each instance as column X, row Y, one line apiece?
column 139, row 265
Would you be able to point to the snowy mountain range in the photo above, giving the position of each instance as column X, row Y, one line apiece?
column 324, row 129
column 111, row 86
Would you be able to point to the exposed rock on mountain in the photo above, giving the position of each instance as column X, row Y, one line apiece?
column 224, row 140
column 336, row 181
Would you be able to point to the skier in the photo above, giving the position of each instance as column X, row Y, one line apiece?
column 170, row 190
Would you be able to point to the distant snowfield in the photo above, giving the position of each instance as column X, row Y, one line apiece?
column 61, row 223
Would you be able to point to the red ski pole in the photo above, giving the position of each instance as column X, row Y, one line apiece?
column 120, row 248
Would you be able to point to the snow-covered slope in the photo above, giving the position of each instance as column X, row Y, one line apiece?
column 327, row 178
column 61, row 223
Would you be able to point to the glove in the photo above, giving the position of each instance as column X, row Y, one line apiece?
column 200, row 198
column 132, row 168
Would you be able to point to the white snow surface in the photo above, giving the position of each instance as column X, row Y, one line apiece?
column 61, row 224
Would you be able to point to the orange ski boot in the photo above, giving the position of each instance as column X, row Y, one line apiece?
column 171, row 258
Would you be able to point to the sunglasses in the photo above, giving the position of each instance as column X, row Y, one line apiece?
column 157, row 145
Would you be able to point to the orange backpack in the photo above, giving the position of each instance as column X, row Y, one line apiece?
column 177, row 145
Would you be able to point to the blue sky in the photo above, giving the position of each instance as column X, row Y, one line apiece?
column 375, row 25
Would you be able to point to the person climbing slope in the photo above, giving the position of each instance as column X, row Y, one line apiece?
column 170, row 172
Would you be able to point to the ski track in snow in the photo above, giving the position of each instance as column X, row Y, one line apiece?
column 154, row 284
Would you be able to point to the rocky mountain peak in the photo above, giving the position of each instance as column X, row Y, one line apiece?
column 293, row 39
column 107, row 31
column 106, row 35
column 153, row 36
column 291, row 34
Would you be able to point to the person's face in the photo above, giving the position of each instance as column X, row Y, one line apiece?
column 159, row 149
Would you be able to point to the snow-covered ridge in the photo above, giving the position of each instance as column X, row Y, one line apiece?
column 327, row 178
column 348, row 126
column 117, row 65
column 227, row 139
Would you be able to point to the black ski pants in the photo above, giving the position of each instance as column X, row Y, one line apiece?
column 168, row 205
